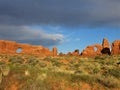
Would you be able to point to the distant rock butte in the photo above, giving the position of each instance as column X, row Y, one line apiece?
column 10, row 47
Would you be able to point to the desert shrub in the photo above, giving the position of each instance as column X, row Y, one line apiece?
column 77, row 65
column 4, row 71
column 57, row 63
column 0, row 76
column 42, row 64
column 3, row 56
column 114, row 72
column 2, row 63
column 99, row 58
column 74, row 66
column 96, row 70
column 14, row 60
column 119, row 58
column 83, row 78
column 71, row 61
column 110, row 62
column 32, row 61
column 48, row 58
column 37, row 85
column 77, row 72
column 103, row 62
column 47, row 83
column 110, row 82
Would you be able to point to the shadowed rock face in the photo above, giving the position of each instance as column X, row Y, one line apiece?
column 116, row 47
column 10, row 47
column 106, row 51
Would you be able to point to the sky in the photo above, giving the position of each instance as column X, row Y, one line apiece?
column 65, row 24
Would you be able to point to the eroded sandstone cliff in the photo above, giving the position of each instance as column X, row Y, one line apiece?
column 10, row 47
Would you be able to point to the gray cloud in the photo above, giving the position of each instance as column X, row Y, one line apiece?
column 60, row 12
column 17, row 15
column 24, row 34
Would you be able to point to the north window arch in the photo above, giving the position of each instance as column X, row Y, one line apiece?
column 19, row 50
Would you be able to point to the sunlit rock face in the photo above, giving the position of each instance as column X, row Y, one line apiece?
column 76, row 53
column 116, row 47
column 97, row 49
column 11, row 47
column 105, row 43
column 92, row 50
column 54, row 50
column 106, row 47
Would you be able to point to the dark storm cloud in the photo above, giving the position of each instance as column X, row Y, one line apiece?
column 17, row 15
column 24, row 34
column 60, row 12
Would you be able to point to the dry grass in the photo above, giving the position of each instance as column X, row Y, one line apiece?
column 53, row 73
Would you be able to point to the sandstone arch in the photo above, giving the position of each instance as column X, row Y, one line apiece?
column 19, row 50
column 10, row 47
column 89, row 51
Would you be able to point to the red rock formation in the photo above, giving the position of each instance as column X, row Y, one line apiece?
column 10, row 47
column 61, row 54
column 106, row 47
column 54, row 51
column 92, row 50
column 105, row 43
column 76, row 53
column 97, row 49
column 116, row 47
column 69, row 54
